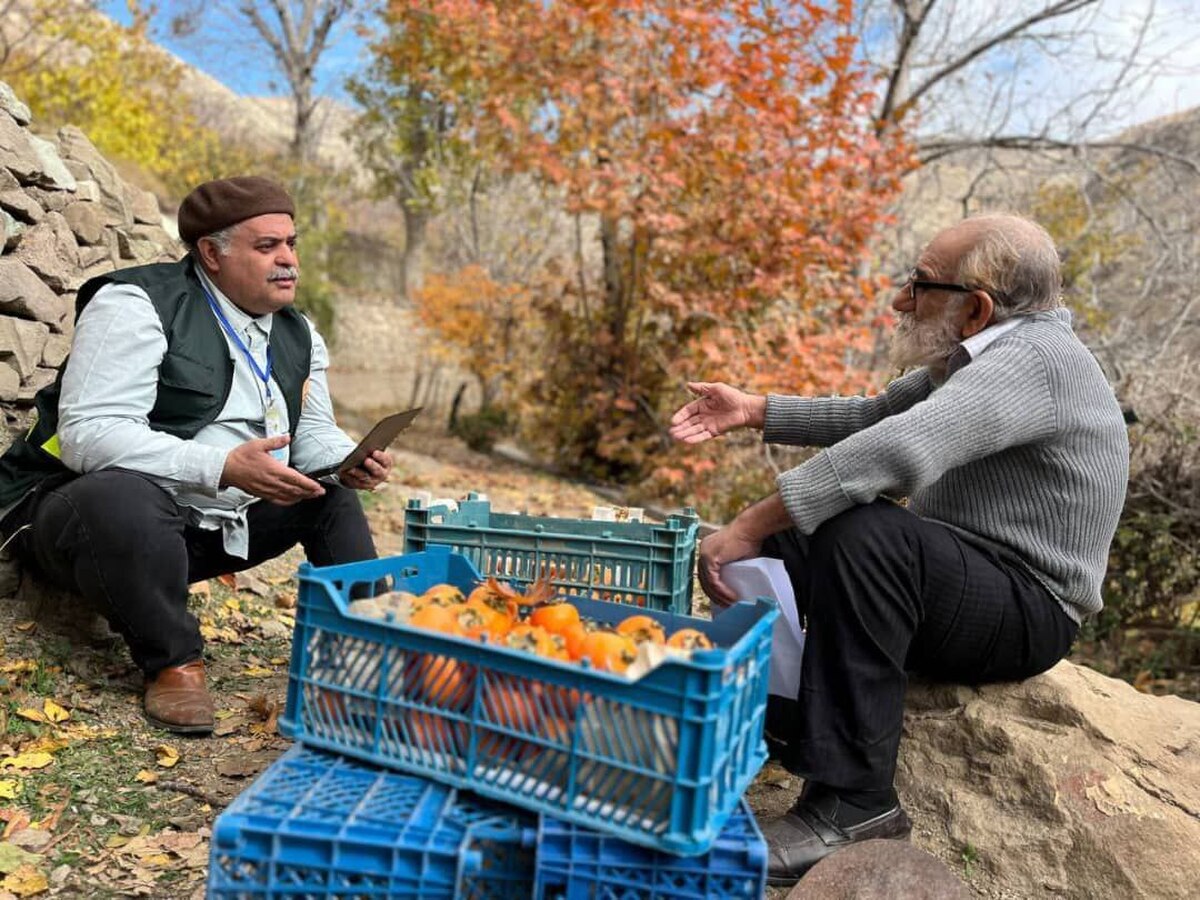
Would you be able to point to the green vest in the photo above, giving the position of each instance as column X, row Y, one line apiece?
column 194, row 377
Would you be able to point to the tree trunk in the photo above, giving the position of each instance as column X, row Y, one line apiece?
column 415, row 222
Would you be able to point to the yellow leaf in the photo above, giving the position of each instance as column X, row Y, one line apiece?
column 278, row 660
column 37, row 760
column 16, row 666
column 33, row 715
column 25, row 881
column 26, row 627
column 233, row 603
column 117, row 840
column 167, row 755
column 258, row 672
column 145, row 776
column 54, row 712
column 46, row 744
column 9, row 788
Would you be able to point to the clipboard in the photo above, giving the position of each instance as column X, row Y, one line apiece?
column 379, row 437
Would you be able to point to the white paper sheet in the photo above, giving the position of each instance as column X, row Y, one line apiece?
column 766, row 577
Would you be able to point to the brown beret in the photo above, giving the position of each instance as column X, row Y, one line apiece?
column 218, row 204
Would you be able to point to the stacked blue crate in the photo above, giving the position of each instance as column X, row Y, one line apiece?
column 320, row 824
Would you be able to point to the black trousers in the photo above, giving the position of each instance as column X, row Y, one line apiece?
column 885, row 593
column 121, row 541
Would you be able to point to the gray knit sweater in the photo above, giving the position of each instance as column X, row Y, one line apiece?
column 1023, row 447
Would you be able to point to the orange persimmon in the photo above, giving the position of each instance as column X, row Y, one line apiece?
column 642, row 628
column 689, row 639
column 555, row 617
column 609, row 651
column 440, row 595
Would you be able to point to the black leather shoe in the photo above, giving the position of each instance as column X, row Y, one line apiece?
column 807, row 833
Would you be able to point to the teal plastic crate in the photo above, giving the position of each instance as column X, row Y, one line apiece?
column 322, row 827
column 575, row 863
column 637, row 563
column 660, row 761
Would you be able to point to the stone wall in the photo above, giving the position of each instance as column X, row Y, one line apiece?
column 66, row 216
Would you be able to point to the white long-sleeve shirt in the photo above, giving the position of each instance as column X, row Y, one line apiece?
column 110, row 385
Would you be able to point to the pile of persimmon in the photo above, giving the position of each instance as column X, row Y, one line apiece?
column 535, row 622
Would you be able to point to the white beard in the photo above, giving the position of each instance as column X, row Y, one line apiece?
column 927, row 343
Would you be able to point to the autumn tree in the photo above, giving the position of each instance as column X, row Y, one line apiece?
column 722, row 157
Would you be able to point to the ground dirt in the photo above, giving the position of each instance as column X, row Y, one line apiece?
column 109, row 806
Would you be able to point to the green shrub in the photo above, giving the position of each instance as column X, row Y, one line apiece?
column 480, row 430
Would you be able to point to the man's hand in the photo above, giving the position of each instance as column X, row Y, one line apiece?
column 373, row 472
column 725, row 546
column 718, row 408
column 251, row 467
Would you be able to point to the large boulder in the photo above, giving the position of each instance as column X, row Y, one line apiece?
column 23, row 294
column 880, row 870
column 1068, row 785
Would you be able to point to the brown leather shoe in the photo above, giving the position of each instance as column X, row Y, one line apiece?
column 177, row 699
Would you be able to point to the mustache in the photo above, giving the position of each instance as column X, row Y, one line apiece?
column 284, row 273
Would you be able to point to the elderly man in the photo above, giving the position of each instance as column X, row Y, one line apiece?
column 194, row 392
column 1012, row 450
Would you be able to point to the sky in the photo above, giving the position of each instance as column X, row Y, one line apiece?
column 1047, row 76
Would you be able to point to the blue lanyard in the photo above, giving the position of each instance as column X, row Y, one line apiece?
column 233, row 336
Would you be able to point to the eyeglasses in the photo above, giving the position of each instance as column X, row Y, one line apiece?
column 914, row 283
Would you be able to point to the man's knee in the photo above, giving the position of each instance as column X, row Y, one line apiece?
column 121, row 504
column 880, row 529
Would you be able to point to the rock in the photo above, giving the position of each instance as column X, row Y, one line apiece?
column 54, row 175
column 88, row 190
column 54, row 354
column 144, row 206
column 12, row 230
column 1070, row 784
column 93, row 256
column 13, row 106
column 38, row 379
column 10, row 383
column 49, row 200
column 23, row 294
column 156, row 234
column 49, row 249
column 16, row 154
column 85, row 222
column 21, row 205
column 22, row 343
column 63, row 612
column 137, row 250
column 880, row 870
column 85, row 162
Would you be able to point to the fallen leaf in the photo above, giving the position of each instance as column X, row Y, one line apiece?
column 258, row 672
column 33, row 715
column 200, row 589
column 13, row 857
column 145, row 776
column 278, row 660
column 228, row 726
column 255, row 585
column 16, row 666
column 9, row 788
column 26, row 881
column 240, row 766
column 166, row 755
column 54, row 712
column 28, row 627
column 46, row 744
column 35, row 760
column 285, row 600
column 230, row 580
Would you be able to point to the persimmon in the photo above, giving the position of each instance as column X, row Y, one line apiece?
column 689, row 639
column 531, row 639
column 513, row 703
column 609, row 651
column 642, row 628
column 436, row 618
column 499, row 598
column 441, row 595
column 555, row 617
column 478, row 620
column 574, row 636
column 431, row 732
column 442, row 681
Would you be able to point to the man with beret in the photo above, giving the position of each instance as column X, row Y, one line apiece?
column 172, row 446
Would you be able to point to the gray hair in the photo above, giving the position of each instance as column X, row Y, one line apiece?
column 1015, row 261
column 223, row 239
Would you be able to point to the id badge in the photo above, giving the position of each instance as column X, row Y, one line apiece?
column 274, row 421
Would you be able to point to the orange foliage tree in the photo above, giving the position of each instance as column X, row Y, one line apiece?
column 722, row 154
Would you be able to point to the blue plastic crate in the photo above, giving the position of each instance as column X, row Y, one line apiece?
column 660, row 761
column 638, row 563
column 323, row 827
column 576, row 863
